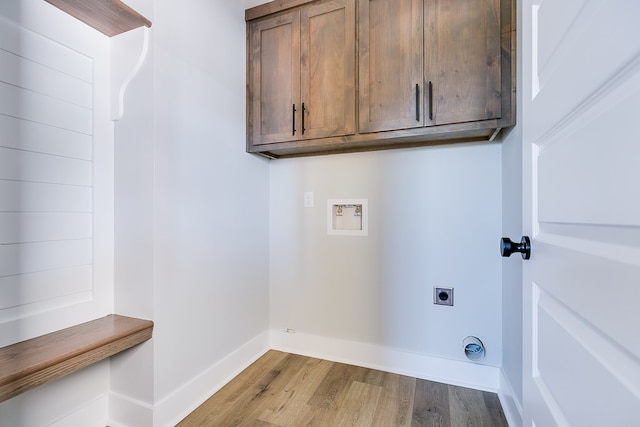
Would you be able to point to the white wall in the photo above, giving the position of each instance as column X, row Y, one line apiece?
column 211, row 294
column 434, row 220
column 512, row 267
column 192, row 213
column 132, row 373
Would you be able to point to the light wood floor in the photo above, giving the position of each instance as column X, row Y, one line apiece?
column 282, row 389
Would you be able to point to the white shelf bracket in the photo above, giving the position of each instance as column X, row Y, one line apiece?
column 123, row 88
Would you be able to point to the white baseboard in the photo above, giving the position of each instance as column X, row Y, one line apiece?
column 125, row 411
column 174, row 407
column 92, row 413
column 510, row 403
column 455, row 372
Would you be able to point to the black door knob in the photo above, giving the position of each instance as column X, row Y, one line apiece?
column 507, row 247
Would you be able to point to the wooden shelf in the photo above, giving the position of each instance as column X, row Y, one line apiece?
column 28, row 364
column 110, row 17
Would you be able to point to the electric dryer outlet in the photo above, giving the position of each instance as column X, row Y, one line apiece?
column 443, row 296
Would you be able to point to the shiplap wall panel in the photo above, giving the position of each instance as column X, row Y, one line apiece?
column 27, row 105
column 19, row 290
column 41, row 256
column 37, row 167
column 30, row 75
column 50, row 53
column 27, row 227
column 32, row 136
column 16, row 196
column 46, row 173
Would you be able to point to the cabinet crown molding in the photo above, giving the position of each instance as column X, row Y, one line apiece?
column 276, row 6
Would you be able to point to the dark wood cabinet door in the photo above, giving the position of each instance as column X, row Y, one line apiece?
column 333, row 76
column 390, row 60
column 274, row 80
column 328, row 69
column 462, row 57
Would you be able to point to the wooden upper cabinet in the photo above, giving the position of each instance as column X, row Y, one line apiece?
column 462, row 57
column 325, row 76
column 428, row 62
column 328, row 69
column 274, row 79
column 302, row 74
column 390, row 63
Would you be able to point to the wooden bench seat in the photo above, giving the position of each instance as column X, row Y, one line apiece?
column 31, row 363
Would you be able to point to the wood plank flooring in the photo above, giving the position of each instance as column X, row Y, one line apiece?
column 282, row 389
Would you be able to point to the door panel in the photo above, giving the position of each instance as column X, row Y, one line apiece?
column 275, row 79
column 391, row 64
column 588, row 50
column 582, row 210
column 567, row 349
column 599, row 148
column 328, row 68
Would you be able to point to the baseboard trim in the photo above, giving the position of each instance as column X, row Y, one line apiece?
column 510, row 404
column 174, row 407
column 455, row 372
column 125, row 411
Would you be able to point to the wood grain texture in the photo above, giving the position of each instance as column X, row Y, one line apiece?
column 404, row 138
column 272, row 7
column 431, row 405
column 328, row 71
column 462, row 50
column 274, row 79
column 291, row 401
column 31, row 363
column 110, row 17
column 301, row 74
column 467, row 408
column 508, row 45
column 282, row 389
column 396, row 402
column 390, row 58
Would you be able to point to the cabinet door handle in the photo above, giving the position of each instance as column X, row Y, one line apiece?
column 303, row 111
column 430, row 101
column 417, row 102
column 293, row 120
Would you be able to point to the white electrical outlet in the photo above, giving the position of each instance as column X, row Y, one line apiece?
column 308, row 199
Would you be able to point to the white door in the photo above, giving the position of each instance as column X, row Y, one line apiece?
column 581, row 132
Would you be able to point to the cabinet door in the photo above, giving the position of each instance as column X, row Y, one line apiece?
column 390, row 62
column 274, row 76
column 328, row 69
column 462, row 53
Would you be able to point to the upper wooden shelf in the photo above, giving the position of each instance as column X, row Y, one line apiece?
column 31, row 363
column 110, row 17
